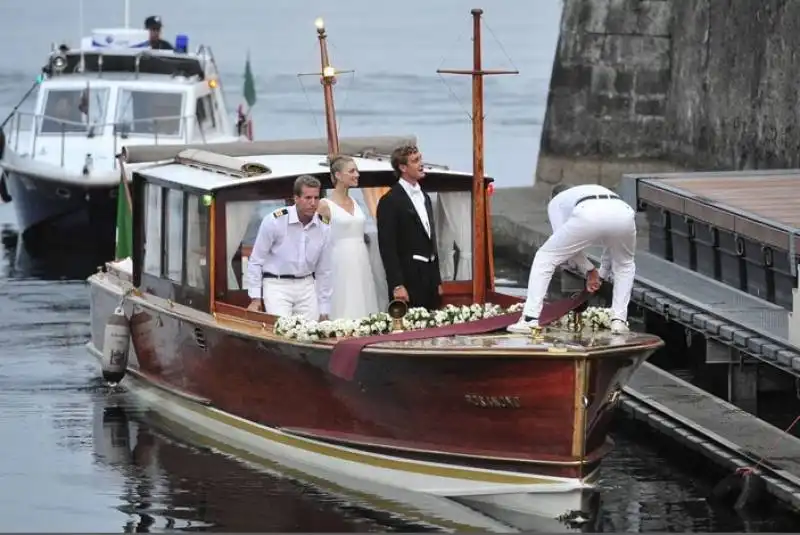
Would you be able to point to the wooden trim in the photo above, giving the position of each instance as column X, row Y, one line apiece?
column 579, row 421
column 361, row 441
column 212, row 256
column 489, row 246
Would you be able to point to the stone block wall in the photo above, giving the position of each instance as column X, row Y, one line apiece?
column 665, row 85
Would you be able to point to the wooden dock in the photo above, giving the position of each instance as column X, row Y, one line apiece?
column 729, row 436
column 741, row 228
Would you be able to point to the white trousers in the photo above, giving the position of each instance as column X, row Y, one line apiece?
column 288, row 297
column 607, row 222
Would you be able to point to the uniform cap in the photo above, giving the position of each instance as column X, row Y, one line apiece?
column 152, row 22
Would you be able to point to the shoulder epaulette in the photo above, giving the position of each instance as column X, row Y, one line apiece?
column 325, row 219
column 280, row 212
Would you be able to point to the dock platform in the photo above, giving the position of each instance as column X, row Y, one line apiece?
column 724, row 433
column 741, row 228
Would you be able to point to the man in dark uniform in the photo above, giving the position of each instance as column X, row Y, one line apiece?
column 153, row 24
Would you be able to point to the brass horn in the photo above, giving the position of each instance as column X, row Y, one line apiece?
column 397, row 311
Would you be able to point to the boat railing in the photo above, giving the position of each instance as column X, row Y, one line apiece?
column 166, row 130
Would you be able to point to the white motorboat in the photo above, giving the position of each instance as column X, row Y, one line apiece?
column 59, row 162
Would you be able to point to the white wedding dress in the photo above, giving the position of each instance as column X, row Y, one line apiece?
column 354, row 289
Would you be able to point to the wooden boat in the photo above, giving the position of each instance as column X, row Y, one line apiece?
column 512, row 425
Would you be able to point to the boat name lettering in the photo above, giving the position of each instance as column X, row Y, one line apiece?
column 493, row 402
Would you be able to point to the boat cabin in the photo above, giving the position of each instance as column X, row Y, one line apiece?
column 196, row 218
column 135, row 94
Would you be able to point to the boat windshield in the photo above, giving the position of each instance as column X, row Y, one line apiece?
column 74, row 110
column 151, row 113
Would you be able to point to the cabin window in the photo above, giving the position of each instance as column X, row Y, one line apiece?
column 74, row 110
column 242, row 220
column 197, row 219
column 205, row 112
column 150, row 113
column 452, row 218
column 174, row 234
column 452, row 212
column 152, row 238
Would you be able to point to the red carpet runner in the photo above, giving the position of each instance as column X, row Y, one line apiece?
column 344, row 357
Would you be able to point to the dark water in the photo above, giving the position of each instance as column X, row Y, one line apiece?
column 77, row 458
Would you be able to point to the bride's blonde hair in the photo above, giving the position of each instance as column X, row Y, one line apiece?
column 337, row 166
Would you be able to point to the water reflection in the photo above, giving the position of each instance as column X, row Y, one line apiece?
column 47, row 261
column 170, row 485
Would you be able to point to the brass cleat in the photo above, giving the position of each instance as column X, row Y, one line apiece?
column 537, row 333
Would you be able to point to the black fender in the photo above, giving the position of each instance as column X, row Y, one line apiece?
column 4, row 195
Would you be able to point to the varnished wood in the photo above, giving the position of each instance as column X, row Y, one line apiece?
column 215, row 236
column 770, row 197
column 327, row 89
column 480, row 262
column 580, row 407
column 489, row 245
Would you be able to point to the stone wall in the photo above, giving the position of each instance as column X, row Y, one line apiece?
column 733, row 98
column 661, row 85
column 608, row 91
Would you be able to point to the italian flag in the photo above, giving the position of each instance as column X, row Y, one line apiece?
column 124, row 220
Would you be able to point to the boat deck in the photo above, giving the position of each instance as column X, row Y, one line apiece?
column 553, row 342
column 742, row 228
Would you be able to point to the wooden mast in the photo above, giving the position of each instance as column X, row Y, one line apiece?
column 327, row 79
column 479, row 216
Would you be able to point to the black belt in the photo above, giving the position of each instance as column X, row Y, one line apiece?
column 267, row 275
column 598, row 196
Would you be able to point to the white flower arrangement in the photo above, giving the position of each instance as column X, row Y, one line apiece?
column 297, row 327
column 416, row 318
column 595, row 318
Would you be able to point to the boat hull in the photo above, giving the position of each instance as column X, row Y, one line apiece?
column 431, row 499
column 54, row 212
column 509, row 434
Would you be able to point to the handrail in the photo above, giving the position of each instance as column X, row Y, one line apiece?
column 93, row 130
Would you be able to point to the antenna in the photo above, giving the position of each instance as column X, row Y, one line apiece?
column 127, row 7
column 80, row 37
column 479, row 215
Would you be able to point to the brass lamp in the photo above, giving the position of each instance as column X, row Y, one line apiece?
column 397, row 311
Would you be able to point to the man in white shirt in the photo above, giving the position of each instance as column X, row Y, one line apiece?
column 583, row 216
column 292, row 248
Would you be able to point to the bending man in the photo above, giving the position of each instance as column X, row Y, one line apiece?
column 583, row 216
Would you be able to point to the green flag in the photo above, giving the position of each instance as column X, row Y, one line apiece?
column 249, row 84
column 124, row 223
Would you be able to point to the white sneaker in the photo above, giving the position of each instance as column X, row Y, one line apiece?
column 619, row 326
column 523, row 326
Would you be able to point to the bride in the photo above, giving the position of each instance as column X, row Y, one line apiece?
column 354, row 287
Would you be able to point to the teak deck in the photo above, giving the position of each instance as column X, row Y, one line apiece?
column 764, row 208
column 741, row 228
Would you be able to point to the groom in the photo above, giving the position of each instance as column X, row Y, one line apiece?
column 406, row 236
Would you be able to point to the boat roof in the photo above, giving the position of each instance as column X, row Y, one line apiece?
column 280, row 166
column 150, row 61
column 147, row 82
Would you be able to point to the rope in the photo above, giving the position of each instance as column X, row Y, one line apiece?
column 750, row 469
